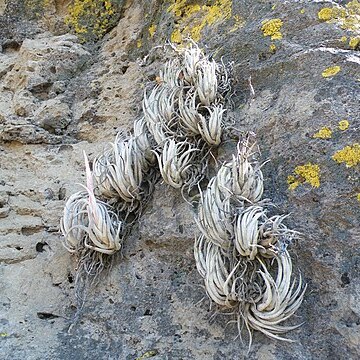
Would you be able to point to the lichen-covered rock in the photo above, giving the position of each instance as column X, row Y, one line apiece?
column 296, row 72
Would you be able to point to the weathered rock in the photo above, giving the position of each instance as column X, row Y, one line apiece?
column 56, row 92
column 4, row 207
column 53, row 116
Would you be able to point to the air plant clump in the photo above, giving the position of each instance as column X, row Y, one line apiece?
column 242, row 252
column 96, row 221
column 184, row 114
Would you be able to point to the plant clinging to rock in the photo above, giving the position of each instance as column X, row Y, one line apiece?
column 241, row 251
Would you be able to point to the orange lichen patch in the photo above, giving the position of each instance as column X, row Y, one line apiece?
column 331, row 71
column 193, row 18
column 272, row 28
column 308, row 173
column 350, row 155
column 323, row 133
column 343, row 125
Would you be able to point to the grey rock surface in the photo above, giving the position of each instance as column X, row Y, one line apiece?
column 59, row 97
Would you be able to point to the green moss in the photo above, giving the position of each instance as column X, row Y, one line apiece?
column 91, row 19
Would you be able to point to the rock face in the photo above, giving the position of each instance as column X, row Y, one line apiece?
column 296, row 67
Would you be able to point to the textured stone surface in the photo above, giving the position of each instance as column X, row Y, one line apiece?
column 59, row 97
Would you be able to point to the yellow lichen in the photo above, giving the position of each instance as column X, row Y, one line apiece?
column 176, row 36
column 343, row 125
column 152, row 30
column 37, row 8
column 358, row 197
column 323, row 133
column 292, row 182
column 302, row 11
column 350, row 155
column 343, row 39
column 347, row 17
column 308, row 173
column 354, row 42
column 139, row 43
column 331, row 71
column 238, row 23
column 325, row 14
column 272, row 48
column 272, row 28
column 91, row 19
column 193, row 18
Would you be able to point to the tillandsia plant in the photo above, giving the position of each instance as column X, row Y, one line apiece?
column 241, row 251
column 96, row 221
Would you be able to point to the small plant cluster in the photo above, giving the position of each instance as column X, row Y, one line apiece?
column 241, row 251
column 97, row 220
column 91, row 19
